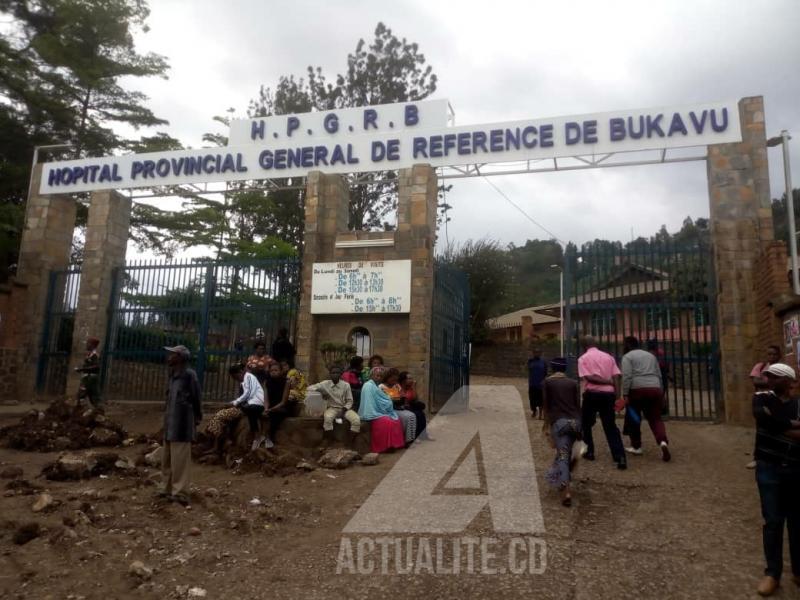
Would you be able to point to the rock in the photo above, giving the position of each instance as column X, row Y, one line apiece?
column 69, row 467
column 124, row 464
column 338, row 458
column 197, row 592
column 140, row 570
column 211, row 493
column 26, row 532
column 304, row 465
column 12, row 473
column 370, row 459
column 62, row 442
column 128, row 443
column 153, row 459
column 194, row 531
column 43, row 502
column 104, row 437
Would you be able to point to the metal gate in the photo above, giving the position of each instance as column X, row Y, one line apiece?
column 662, row 292
column 214, row 309
column 59, row 320
column 449, row 370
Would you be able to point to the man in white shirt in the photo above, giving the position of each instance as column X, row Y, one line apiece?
column 250, row 402
column 339, row 404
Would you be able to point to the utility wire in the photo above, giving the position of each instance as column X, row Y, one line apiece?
column 527, row 216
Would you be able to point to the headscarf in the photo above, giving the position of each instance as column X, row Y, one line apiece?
column 374, row 403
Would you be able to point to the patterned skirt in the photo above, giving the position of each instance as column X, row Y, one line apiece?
column 222, row 418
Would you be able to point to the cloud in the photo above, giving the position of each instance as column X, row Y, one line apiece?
column 507, row 60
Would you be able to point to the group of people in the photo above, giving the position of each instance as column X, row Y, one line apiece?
column 570, row 408
column 386, row 398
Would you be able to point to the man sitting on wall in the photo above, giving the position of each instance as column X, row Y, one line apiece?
column 339, row 404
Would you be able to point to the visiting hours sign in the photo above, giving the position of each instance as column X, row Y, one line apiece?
column 395, row 136
column 378, row 286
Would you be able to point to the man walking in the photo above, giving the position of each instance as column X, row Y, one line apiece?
column 643, row 396
column 601, row 379
column 777, row 455
column 537, row 371
column 183, row 413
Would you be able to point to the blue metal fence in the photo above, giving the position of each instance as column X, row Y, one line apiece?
column 449, row 336
column 56, row 342
column 216, row 309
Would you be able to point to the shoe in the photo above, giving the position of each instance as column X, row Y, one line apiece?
column 636, row 451
column 256, row 443
column 665, row 455
column 750, row 465
column 768, row 586
column 587, row 454
column 268, row 443
column 622, row 464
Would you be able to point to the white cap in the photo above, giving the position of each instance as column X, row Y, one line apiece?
column 781, row 370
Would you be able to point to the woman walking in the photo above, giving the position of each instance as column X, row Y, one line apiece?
column 562, row 421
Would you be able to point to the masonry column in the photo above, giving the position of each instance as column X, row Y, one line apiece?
column 326, row 214
column 104, row 250
column 416, row 228
column 45, row 246
column 741, row 228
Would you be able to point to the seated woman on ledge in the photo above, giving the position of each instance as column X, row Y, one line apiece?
column 391, row 387
column 386, row 429
column 412, row 403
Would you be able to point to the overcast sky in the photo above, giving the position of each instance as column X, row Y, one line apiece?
column 499, row 61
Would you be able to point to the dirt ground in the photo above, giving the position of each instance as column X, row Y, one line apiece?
column 685, row 529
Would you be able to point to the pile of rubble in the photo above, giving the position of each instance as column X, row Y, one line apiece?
column 62, row 427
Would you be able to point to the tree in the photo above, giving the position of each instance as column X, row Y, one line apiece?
column 386, row 70
column 61, row 67
column 780, row 216
column 489, row 270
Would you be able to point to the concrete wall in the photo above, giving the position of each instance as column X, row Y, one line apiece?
column 403, row 340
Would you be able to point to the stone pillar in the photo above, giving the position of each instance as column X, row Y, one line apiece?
column 741, row 228
column 416, row 232
column 104, row 250
column 45, row 246
column 326, row 213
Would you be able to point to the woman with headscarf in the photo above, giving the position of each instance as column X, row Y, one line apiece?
column 562, row 421
column 386, row 429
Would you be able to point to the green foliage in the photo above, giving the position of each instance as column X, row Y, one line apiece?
column 489, row 270
column 61, row 67
column 533, row 280
column 132, row 339
column 336, row 354
column 780, row 216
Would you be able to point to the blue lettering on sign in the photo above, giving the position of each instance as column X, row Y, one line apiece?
column 590, row 132
column 420, row 146
column 529, row 137
column 351, row 158
column 479, row 141
column 257, row 129
column 162, row 167
column 719, row 127
column 228, row 164
column 699, row 125
column 572, row 133
column 208, row 164
column 331, row 123
column 496, row 140
column 292, row 123
column 370, row 118
column 308, row 157
column 464, row 143
column 654, row 125
column 320, row 155
column 378, row 151
column 632, row 132
column 266, row 159
column 449, row 143
column 411, row 115
column 393, row 149
column 337, row 156
column 149, row 169
column 677, row 125
column 280, row 159
column 616, row 128
column 546, row 136
column 436, row 146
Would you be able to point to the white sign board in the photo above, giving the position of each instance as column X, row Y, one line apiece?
column 382, row 149
column 369, row 287
column 330, row 124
